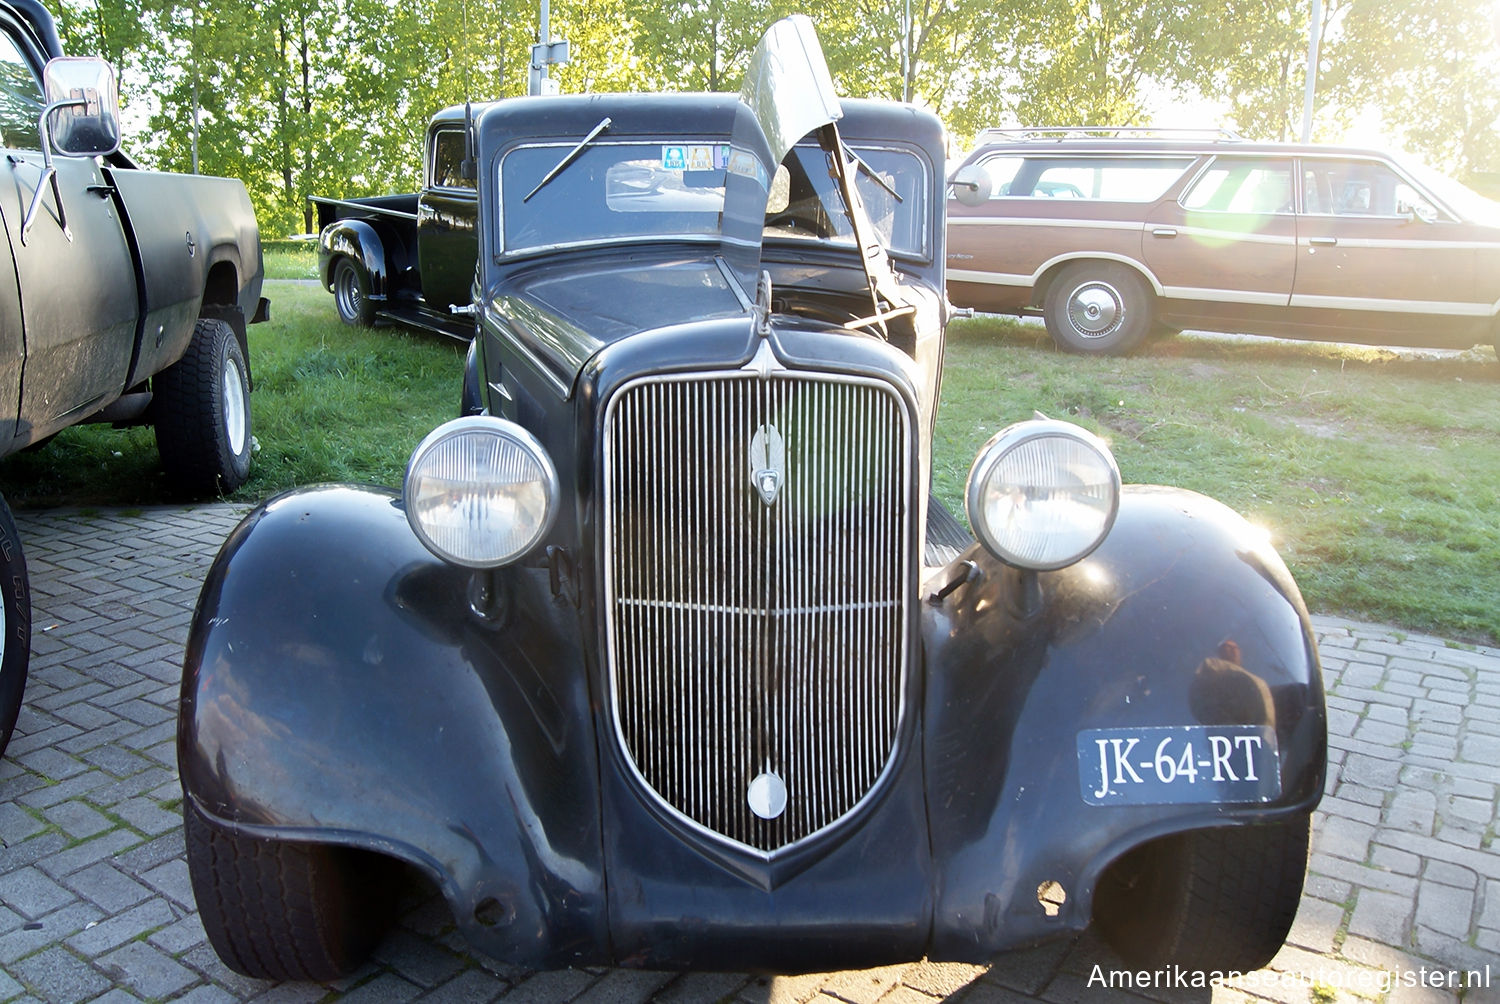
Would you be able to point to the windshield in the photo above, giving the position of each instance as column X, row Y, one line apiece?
column 805, row 202
column 1463, row 200
column 630, row 191
column 618, row 191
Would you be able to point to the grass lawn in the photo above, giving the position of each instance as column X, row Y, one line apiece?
column 1378, row 477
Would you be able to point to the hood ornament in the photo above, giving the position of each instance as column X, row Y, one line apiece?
column 767, row 462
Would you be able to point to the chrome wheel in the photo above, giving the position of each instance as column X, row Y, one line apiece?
column 1096, row 310
column 346, row 293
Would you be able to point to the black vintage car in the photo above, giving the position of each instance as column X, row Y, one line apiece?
column 664, row 657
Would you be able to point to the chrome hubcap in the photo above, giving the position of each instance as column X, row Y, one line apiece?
column 348, row 293
column 1095, row 309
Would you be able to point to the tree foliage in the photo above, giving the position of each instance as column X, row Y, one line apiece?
column 301, row 97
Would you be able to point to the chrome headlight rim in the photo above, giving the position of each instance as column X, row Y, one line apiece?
column 501, row 428
column 1006, row 441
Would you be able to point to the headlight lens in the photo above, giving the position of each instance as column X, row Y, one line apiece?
column 480, row 491
column 1042, row 494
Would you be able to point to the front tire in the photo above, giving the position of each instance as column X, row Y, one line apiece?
column 276, row 910
column 351, row 294
column 1206, row 900
column 15, row 624
column 1098, row 308
column 202, row 413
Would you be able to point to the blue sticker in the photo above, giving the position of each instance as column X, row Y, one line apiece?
column 674, row 158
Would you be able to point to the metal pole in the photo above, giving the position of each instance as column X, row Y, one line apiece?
column 906, row 54
column 1314, row 29
column 543, row 35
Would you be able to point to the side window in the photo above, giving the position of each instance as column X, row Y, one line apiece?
column 448, row 159
column 1001, row 171
column 20, row 97
column 1111, row 179
column 1358, row 188
column 1243, row 186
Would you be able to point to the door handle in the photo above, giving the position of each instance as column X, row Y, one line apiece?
column 1323, row 242
column 1164, row 232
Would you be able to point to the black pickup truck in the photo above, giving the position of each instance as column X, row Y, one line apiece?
column 124, row 294
column 408, row 258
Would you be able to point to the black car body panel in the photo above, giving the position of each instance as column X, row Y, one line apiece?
column 563, row 744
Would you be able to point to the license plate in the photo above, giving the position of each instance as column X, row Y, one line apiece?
column 1177, row 765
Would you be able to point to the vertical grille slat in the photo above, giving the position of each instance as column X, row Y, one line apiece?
column 746, row 637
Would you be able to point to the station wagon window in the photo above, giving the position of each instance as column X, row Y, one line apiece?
column 448, row 160
column 1112, row 179
column 1357, row 188
column 20, row 97
column 1243, row 186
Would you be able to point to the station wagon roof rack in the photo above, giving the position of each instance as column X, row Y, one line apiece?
column 1108, row 132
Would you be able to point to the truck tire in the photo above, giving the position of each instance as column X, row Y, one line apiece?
column 1098, row 308
column 201, row 409
column 276, row 910
column 15, row 624
column 351, row 294
column 1220, row 899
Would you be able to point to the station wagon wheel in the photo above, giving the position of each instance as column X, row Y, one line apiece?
column 201, row 409
column 351, row 294
column 1220, row 899
column 15, row 624
column 277, row 910
column 1098, row 308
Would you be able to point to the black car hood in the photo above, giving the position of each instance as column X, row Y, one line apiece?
column 566, row 313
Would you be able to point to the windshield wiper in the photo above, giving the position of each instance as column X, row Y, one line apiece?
column 571, row 156
column 869, row 172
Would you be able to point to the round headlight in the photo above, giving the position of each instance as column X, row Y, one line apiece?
column 480, row 491
column 1042, row 494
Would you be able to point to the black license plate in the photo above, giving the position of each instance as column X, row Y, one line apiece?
column 1177, row 765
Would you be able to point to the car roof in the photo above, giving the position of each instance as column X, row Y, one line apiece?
column 1195, row 142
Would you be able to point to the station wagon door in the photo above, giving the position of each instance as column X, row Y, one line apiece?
column 1369, row 268
column 1226, row 250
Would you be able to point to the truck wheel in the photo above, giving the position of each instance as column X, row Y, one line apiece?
column 201, row 408
column 15, row 624
column 1206, row 900
column 351, row 294
column 1098, row 308
column 276, row 910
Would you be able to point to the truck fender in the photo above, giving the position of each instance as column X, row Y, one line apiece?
column 338, row 688
column 359, row 241
column 1184, row 616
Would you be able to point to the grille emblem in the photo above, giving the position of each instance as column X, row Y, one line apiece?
column 767, row 462
column 767, row 795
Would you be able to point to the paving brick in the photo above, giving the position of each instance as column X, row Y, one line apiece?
column 147, row 971
column 106, row 887
column 58, row 975
column 32, row 894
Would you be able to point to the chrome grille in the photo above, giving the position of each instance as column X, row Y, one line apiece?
column 747, row 638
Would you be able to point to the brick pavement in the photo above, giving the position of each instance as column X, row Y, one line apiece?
column 95, row 903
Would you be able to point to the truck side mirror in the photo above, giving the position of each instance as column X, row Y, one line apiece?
column 83, row 107
column 81, row 119
column 971, row 185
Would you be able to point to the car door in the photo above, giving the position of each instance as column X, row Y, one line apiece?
column 1225, row 251
column 76, row 282
column 1370, row 266
column 447, row 242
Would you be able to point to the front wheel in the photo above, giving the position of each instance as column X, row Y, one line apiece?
column 1206, row 900
column 351, row 294
column 276, row 910
column 201, row 409
column 1098, row 308
column 15, row 624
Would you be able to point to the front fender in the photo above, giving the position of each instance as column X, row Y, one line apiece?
column 360, row 241
column 1183, row 616
column 338, row 688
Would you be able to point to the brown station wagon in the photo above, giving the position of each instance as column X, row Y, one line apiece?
column 1111, row 234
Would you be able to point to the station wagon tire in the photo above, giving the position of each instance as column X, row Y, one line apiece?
column 351, row 294
column 15, row 624
column 1220, row 899
column 1098, row 308
column 277, row 910
column 201, row 409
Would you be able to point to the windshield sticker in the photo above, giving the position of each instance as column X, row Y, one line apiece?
column 695, row 157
